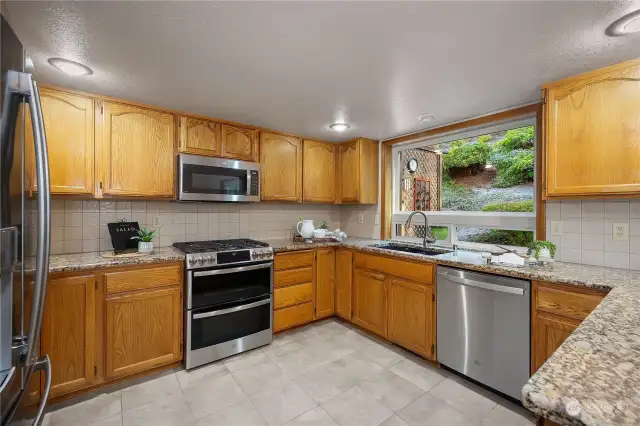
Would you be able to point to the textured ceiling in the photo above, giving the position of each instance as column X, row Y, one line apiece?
column 299, row 66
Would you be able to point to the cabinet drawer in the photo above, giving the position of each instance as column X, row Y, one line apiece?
column 565, row 302
column 140, row 279
column 292, row 276
column 413, row 271
column 292, row 316
column 293, row 260
column 293, row 295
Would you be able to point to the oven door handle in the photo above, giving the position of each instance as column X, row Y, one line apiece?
column 230, row 310
column 231, row 270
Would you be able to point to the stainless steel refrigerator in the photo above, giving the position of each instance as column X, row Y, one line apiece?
column 24, row 220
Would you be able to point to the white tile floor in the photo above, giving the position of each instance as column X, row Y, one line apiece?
column 324, row 374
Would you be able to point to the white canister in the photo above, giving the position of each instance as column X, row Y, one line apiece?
column 320, row 233
column 145, row 247
column 305, row 229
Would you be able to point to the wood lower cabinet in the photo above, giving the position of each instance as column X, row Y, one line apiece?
column 281, row 167
column 358, row 171
column 68, row 123
column 201, row 137
column 319, row 171
column 343, row 283
column 370, row 301
column 69, row 332
column 556, row 311
column 411, row 308
column 294, row 294
column 142, row 330
column 136, row 151
column 592, row 129
column 239, row 142
column 325, row 282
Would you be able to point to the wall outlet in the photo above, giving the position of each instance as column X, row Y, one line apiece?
column 377, row 220
column 556, row 227
column 360, row 218
column 156, row 221
column 621, row 231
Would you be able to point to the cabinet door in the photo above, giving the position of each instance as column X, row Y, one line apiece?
column 201, row 137
column 593, row 133
column 68, row 124
column 319, row 172
column 281, row 161
column 142, row 330
column 344, row 277
column 240, row 143
column 350, row 172
column 325, row 282
column 549, row 331
column 410, row 322
column 370, row 301
column 136, row 151
column 68, row 332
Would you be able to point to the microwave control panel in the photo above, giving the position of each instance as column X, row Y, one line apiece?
column 254, row 190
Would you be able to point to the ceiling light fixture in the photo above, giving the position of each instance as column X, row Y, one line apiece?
column 628, row 24
column 425, row 118
column 70, row 67
column 339, row 127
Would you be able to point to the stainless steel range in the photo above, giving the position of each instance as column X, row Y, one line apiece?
column 229, row 298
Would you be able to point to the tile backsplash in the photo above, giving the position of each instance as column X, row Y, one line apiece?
column 81, row 225
column 587, row 232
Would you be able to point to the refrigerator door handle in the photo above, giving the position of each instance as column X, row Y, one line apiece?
column 44, row 364
column 44, row 220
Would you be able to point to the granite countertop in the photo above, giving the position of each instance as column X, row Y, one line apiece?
column 594, row 377
column 94, row 260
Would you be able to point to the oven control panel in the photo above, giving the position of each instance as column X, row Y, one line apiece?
column 262, row 254
column 207, row 260
column 201, row 260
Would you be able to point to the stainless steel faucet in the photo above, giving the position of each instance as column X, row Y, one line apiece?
column 427, row 230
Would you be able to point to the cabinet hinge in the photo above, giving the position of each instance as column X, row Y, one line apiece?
column 433, row 297
column 95, row 370
column 101, row 185
column 433, row 349
column 101, row 109
column 96, row 283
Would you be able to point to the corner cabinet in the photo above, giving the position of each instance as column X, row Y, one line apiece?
column 358, row 172
column 136, row 151
column 281, row 162
column 319, row 171
column 200, row 137
column 68, row 123
column 593, row 133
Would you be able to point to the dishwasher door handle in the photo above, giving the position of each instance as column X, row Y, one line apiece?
column 483, row 285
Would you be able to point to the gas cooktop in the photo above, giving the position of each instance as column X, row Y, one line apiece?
column 206, row 254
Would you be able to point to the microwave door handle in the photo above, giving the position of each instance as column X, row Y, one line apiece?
column 247, row 190
column 43, row 221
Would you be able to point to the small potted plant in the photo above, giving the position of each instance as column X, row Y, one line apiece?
column 321, row 232
column 145, row 240
column 542, row 251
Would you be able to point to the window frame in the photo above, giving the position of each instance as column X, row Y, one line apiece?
column 489, row 220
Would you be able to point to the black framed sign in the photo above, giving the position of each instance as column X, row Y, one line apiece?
column 121, row 233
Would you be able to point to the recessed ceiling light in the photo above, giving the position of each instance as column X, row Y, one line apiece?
column 70, row 67
column 426, row 117
column 339, row 127
column 628, row 24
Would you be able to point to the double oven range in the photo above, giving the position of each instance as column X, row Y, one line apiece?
column 228, row 298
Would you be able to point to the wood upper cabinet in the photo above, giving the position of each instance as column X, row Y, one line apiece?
column 593, row 133
column 358, row 171
column 69, row 332
column 281, row 161
column 239, row 142
column 344, row 278
column 142, row 330
column 325, row 282
column 136, row 150
column 68, row 122
column 411, row 315
column 370, row 301
column 319, row 171
column 201, row 137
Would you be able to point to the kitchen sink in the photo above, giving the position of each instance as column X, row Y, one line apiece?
column 429, row 251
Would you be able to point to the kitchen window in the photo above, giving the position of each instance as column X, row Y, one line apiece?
column 476, row 186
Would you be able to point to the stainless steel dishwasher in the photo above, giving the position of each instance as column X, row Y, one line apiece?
column 484, row 327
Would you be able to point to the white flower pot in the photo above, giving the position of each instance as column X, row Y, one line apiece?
column 145, row 247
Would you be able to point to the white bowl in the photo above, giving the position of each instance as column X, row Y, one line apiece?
column 320, row 233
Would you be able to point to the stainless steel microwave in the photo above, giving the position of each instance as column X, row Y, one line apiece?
column 203, row 178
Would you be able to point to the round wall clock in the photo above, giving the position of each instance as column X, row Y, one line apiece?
column 412, row 165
